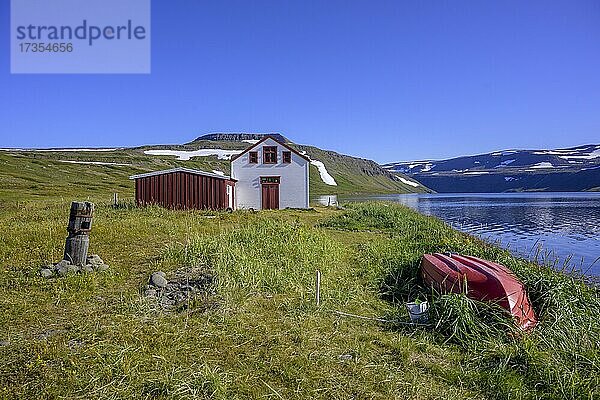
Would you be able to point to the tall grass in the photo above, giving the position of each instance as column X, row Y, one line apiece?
column 559, row 359
column 267, row 256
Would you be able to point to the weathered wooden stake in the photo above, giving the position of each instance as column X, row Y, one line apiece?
column 115, row 200
column 318, row 285
column 80, row 225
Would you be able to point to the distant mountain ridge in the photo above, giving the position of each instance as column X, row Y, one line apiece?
column 568, row 169
column 240, row 136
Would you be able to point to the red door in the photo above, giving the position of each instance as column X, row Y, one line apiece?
column 270, row 196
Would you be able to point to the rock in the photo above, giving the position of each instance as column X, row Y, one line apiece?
column 158, row 279
column 101, row 267
column 94, row 259
column 346, row 357
column 87, row 268
column 62, row 263
column 46, row 273
column 165, row 302
column 4, row 343
column 67, row 269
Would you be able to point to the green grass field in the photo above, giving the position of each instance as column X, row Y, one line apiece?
column 261, row 335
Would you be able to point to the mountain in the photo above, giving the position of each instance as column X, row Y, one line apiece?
column 236, row 137
column 569, row 169
column 36, row 173
column 351, row 174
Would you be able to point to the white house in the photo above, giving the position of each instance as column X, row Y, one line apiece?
column 270, row 175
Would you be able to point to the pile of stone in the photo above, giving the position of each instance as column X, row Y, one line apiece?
column 64, row 267
column 184, row 287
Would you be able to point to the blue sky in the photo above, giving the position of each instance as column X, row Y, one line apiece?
column 386, row 80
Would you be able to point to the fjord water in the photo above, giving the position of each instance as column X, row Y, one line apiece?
column 557, row 228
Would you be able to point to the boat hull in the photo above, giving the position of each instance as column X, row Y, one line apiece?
column 481, row 280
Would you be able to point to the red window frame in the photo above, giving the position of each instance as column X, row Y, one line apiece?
column 270, row 154
column 253, row 157
column 287, row 157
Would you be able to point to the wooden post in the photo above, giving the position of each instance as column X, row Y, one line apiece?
column 115, row 200
column 80, row 225
column 318, row 287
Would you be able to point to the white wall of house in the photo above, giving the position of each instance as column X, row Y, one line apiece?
column 293, row 187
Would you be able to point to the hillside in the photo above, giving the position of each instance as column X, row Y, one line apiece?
column 91, row 171
column 570, row 169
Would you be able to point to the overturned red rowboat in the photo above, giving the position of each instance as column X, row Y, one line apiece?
column 484, row 280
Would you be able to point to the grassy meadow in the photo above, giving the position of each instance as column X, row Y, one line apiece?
column 261, row 335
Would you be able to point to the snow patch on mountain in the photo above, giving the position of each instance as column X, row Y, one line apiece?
column 407, row 182
column 542, row 165
column 505, row 163
column 504, row 153
column 589, row 156
column 428, row 167
column 325, row 177
column 187, row 155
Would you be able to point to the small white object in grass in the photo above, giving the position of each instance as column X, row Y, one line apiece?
column 251, row 141
column 418, row 311
column 217, row 172
column 407, row 182
column 93, row 162
column 187, row 155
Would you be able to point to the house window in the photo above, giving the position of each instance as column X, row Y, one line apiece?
column 287, row 157
column 270, row 154
column 253, row 157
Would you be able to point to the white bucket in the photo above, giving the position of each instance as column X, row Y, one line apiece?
column 418, row 311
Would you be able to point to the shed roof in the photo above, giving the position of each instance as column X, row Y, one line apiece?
column 181, row 169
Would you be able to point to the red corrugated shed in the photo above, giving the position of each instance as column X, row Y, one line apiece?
column 184, row 188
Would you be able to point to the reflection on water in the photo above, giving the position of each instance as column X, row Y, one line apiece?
column 565, row 226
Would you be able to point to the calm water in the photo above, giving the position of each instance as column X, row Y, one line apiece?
column 556, row 226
